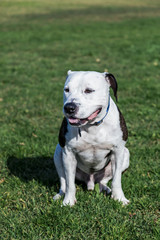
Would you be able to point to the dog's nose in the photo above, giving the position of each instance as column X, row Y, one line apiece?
column 70, row 108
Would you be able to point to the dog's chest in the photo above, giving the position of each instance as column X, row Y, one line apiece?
column 91, row 150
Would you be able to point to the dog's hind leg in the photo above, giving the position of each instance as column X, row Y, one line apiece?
column 60, row 169
column 108, row 171
column 125, row 160
column 107, row 175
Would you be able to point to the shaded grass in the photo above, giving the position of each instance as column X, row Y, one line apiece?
column 39, row 42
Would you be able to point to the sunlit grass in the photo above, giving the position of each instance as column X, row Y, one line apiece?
column 39, row 42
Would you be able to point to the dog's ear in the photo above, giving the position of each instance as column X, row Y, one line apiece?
column 112, row 82
column 69, row 72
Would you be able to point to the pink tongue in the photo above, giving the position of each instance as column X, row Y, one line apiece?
column 73, row 120
column 93, row 115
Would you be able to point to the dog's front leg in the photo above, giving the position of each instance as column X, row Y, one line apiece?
column 117, row 168
column 70, row 163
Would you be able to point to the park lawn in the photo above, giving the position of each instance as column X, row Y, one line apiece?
column 39, row 42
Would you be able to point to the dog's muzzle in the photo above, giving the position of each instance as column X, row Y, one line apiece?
column 70, row 110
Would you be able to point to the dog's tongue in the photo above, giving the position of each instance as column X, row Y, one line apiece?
column 82, row 121
column 93, row 115
column 73, row 120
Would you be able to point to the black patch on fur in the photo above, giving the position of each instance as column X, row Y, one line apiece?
column 113, row 83
column 123, row 126
column 92, row 170
column 62, row 132
column 108, row 154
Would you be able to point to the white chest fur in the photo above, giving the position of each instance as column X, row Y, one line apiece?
column 92, row 148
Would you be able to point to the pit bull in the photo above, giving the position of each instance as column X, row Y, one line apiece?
column 92, row 136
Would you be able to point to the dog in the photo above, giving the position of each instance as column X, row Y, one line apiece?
column 92, row 136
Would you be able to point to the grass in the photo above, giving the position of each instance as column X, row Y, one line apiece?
column 39, row 42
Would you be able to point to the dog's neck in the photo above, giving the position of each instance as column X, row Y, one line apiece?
column 99, row 122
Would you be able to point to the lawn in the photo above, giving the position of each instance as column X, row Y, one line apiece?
column 39, row 41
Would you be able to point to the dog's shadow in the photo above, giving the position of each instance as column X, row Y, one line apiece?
column 41, row 169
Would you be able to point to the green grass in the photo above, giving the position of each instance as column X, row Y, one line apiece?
column 39, row 42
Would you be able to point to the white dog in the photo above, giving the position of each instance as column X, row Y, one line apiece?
column 92, row 136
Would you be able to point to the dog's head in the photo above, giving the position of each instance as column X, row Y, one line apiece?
column 86, row 96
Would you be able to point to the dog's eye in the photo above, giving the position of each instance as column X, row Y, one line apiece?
column 88, row 90
column 66, row 90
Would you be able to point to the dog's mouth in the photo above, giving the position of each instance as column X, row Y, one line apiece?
column 77, row 121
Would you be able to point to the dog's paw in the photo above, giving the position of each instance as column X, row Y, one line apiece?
column 58, row 195
column 69, row 201
column 104, row 188
column 90, row 185
column 125, row 201
column 119, row 195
